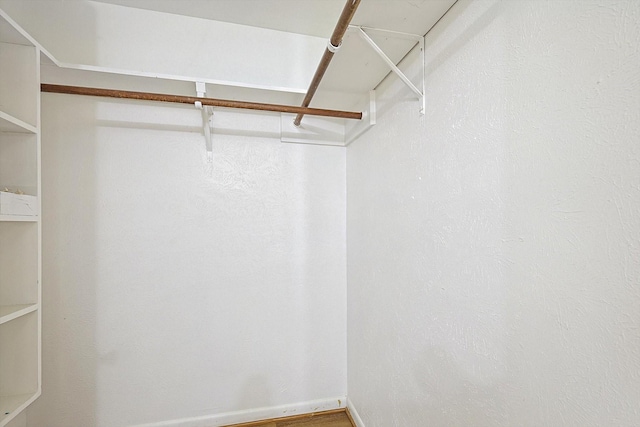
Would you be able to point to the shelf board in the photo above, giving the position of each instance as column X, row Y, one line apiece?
column 10, row 406
column 18, row 218
column 9, row 33
column 10, row 312
column 8, row 123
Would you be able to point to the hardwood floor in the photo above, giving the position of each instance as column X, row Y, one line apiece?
column 323, row 419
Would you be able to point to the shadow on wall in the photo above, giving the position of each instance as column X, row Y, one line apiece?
column 449, row 389
column 70, row 355
column 181, row 118
column 527, row 170
column 478, row 26
column 255, row 393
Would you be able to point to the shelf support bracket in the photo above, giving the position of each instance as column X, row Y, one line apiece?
column 207, row 118
column 394, row 67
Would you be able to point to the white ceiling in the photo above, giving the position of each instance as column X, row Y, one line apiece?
column 310, row 17
column 356, row 68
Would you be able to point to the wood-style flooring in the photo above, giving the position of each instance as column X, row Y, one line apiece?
column 323, row 419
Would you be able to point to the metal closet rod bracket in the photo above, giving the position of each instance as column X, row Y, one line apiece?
column 417, row 38
column 207, row 118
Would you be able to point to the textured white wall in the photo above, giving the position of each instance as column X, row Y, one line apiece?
column 175, row 289
column 494, row 244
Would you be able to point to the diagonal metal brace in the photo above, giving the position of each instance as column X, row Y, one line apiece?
column 207, row 118
column 395, row 68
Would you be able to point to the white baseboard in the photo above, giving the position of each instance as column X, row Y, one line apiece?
column 258, row 414
column 354, row 414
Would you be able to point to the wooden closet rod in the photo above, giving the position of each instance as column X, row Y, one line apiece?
column 334, row 44
column 146, row 96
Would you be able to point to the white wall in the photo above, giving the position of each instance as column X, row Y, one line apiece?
column 176, row 289
column 494, row 244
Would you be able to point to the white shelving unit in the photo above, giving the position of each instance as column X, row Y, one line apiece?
column 20, row 230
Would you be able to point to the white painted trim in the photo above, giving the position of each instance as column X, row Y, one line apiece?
column 23, row 33
column 258, row 414
column 354, row 414
column 135, row 73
